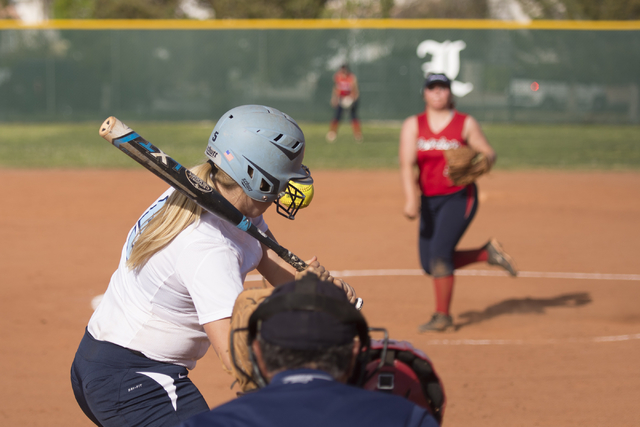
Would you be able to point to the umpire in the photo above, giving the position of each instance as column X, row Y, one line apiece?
column 307, row 343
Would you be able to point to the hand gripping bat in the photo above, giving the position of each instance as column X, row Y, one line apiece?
column 183, row 180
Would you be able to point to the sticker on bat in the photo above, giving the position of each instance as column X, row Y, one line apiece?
column 162, row 156
column 197, row 182
column 158, row 154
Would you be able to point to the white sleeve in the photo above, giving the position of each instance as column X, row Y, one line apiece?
column 212, row 275
column 260, row 223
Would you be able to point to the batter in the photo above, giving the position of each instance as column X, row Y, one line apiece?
column 180, row 272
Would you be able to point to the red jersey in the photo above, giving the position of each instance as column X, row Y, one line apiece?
column 434, row 178
column 344, row 83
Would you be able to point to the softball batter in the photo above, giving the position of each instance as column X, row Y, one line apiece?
column 445, row 210
column 180, row 271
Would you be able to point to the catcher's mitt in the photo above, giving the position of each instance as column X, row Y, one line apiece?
column 245, row 305
column 465, row 165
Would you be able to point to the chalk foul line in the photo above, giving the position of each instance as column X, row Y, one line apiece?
column 498, row 273
column 612, row 338
column 470, row 342
column 479, row 273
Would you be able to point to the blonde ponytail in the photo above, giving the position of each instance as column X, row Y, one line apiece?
column 178, row 213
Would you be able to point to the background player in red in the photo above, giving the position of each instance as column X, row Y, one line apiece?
column 445, row 210
column 344, row 96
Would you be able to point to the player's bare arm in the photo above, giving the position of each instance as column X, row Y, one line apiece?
column 273, row 268
column 277, row 271
column 476, row 139
column 407, row 155
column 218, row 334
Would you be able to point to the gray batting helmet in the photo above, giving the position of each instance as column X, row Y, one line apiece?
column 261, row 148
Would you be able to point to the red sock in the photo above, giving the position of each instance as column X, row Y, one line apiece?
column 462, row 258
column 333, row 127
column 443, row 287
column 356, row 128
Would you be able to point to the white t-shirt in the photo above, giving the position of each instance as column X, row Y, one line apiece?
column 194, row 280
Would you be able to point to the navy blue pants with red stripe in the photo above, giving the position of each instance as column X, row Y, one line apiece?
column 117, row 387
column 443, row 221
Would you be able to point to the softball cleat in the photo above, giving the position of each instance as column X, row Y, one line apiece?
column 331, row 136
column 439, row 322
column 497, row 256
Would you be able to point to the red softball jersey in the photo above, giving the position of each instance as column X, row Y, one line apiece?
column 434, row 176
column 344, row 83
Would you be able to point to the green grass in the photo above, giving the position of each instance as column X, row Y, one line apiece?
column 565, row 146
column 77, row 145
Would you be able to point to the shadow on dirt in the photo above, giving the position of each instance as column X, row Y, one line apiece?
column 522, row 306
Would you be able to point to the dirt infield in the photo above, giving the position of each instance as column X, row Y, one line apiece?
column 541, row 349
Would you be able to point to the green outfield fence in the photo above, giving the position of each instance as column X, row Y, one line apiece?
column 544, row 71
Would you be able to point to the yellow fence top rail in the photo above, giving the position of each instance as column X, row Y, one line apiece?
column 317, row 24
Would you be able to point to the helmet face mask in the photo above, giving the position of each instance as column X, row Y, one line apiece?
column 295, row 197
column 261, row 149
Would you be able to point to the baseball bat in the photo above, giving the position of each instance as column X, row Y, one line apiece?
column 182, row 179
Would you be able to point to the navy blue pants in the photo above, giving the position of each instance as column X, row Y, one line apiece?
column 115, row 386
column 443, row 221
column 353, row 110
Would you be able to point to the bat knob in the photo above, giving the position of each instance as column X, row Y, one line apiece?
column 358, row 304
column 112, row 128
column 107, row 126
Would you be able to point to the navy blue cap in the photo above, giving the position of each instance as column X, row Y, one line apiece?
column 437, row 79
column 301, row 327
